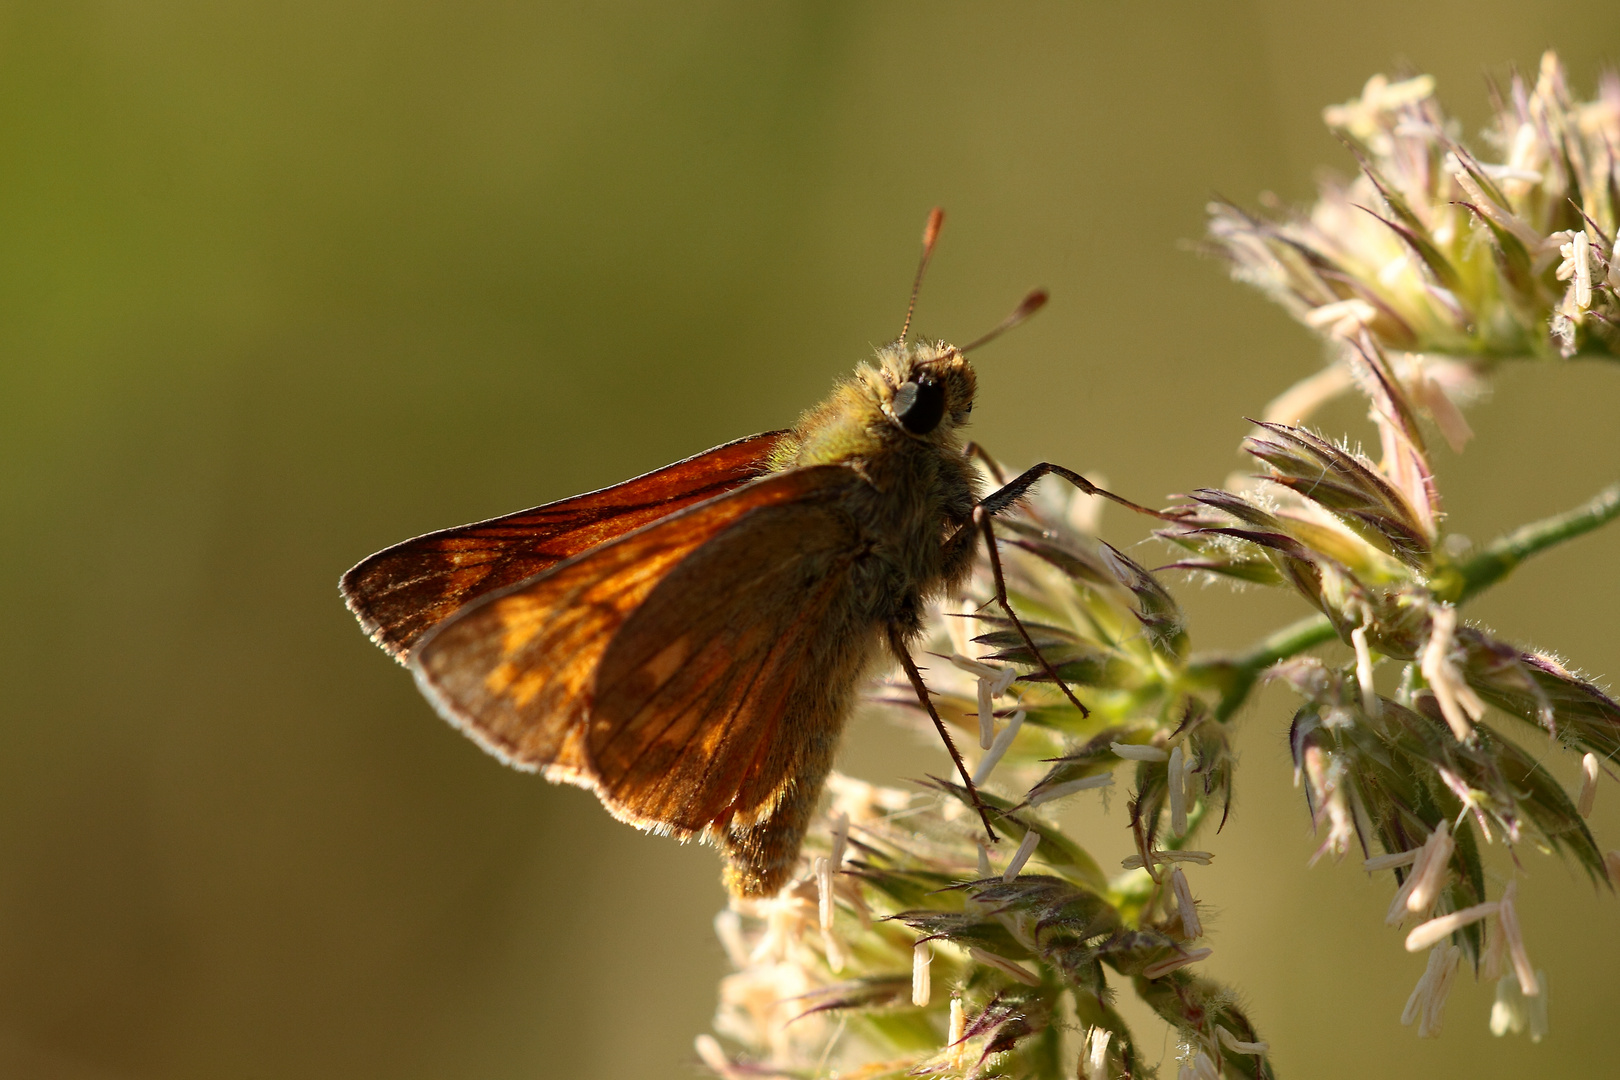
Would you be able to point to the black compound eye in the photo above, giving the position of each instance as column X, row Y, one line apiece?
column 919, row 406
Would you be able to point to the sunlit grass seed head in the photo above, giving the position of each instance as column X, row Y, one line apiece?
column 1503, row 253
column 1417, row 780
column 926, row 965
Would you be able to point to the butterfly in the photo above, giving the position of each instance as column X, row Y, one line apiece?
column 689, row 644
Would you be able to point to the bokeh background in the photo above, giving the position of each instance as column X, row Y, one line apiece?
column 282, row 283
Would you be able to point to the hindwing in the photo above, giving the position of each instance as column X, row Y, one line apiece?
column 680, row 670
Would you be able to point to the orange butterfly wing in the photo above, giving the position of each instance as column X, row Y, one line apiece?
column 666, row 669
column 734, row 672
column 402, row 592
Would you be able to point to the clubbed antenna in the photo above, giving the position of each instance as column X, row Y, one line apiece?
column 936, row 218
column 1028, row 306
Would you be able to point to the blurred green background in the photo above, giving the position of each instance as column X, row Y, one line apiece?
column 281, row 284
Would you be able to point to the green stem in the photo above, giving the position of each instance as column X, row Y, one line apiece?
column 1499, row 559
column 1291, row 640
column 1235, row 676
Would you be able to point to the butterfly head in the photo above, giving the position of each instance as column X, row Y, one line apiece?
column 925, row 388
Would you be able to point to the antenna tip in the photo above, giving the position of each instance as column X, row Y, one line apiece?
column 936, row 219
column 1028, row 306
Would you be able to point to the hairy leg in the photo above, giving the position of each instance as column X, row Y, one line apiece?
column 897, row 643
column 1003, row 499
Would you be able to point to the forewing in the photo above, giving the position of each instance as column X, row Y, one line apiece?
column 733, row 676
column 402, row 592
column 516, row 669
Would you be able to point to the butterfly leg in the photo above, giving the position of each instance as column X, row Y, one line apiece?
column 981, row 519
column 897, row 643
column 1004, row 497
